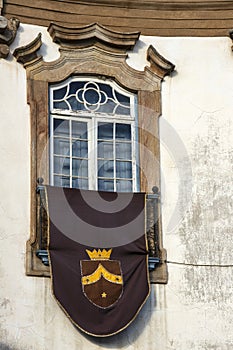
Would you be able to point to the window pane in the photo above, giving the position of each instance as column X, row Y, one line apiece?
column 79, row 130
column 123, row 150
column 105, row 168
column 61, row 146
column 105, row 131
column 73, row 103
column 105, row 185
column 59, row 94
column 61, row 181
column 123, row 169
column 61, row 127
column 74, row 86
column 79, row 167
column 105, row 150
column 107, row 89
column 80, row 183
column 61, row 105
column 80, row 149
column 107, row 108
column 122, row 110
column 123, row 131
column 91, row 95
column 61, row 165
column 124, row 186
column 125, row 100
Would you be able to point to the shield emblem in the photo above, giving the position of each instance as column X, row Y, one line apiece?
column 102, row 280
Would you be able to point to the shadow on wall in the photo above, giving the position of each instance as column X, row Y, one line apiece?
column 120, row 340
column 6, row 347
column 130, row 334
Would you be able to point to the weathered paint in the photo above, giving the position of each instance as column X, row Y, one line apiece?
column 194, row 310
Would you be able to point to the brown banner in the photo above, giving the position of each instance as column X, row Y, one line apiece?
column 100, row 287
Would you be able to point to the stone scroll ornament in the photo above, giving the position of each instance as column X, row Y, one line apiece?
column 8, row 30
column 100, row 289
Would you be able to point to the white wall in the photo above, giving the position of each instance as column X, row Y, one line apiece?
column 194, row 311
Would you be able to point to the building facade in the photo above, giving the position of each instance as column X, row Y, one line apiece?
column 184, row 59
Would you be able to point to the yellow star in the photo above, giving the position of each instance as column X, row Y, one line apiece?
column 103, row 295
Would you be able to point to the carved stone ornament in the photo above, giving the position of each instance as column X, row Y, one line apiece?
column 92, row 34
column 92, row 50
column 27, row 54
column 158, row 63
column 8, row 30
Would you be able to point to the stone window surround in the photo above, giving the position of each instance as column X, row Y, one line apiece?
column 92, row 50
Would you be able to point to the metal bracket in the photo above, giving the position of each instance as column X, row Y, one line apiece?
column 43, row 255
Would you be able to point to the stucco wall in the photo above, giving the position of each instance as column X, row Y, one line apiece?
column 194, row 310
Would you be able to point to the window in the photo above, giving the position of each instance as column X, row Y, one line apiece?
column 93, row 133
column 101, row 117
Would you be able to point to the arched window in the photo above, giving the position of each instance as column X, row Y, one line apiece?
column 93, row 135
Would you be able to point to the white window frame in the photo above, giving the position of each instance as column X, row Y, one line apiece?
column 92, row 119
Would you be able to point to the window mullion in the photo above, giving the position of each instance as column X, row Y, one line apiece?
column 134, row 158
column 95, row 151
column 92, row 154
column 71, row 153
column 51, row 153
column 135, row 146
column 114, row 156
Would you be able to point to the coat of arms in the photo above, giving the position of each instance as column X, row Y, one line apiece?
column 102, row 280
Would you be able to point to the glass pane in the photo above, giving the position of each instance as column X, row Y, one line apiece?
column 80, row 183
column 74, row 86
column 61, row 181
column 80, row 167
column 61, row 146
column 91, row 95
column 105, row 185
column 125, row 100
column 123, row 150
column 123, row 131
column 61, row 127
column 61, row 165
column 105, row 131
column 122, row 110
column 105, row 168
column 61, row 105
column 79, row 130
column 107, row 108
column 80, row 149
column 59, row 94
column 105, row 150
column 73, row 103
column 107, row 89
column 124, row 186
column 124, row 169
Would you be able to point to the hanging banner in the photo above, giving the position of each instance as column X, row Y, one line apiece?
column 98, row 257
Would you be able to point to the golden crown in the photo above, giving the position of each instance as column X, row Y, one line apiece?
column 99, row 254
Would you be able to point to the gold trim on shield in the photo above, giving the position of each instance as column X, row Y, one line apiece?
column 98, row 273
